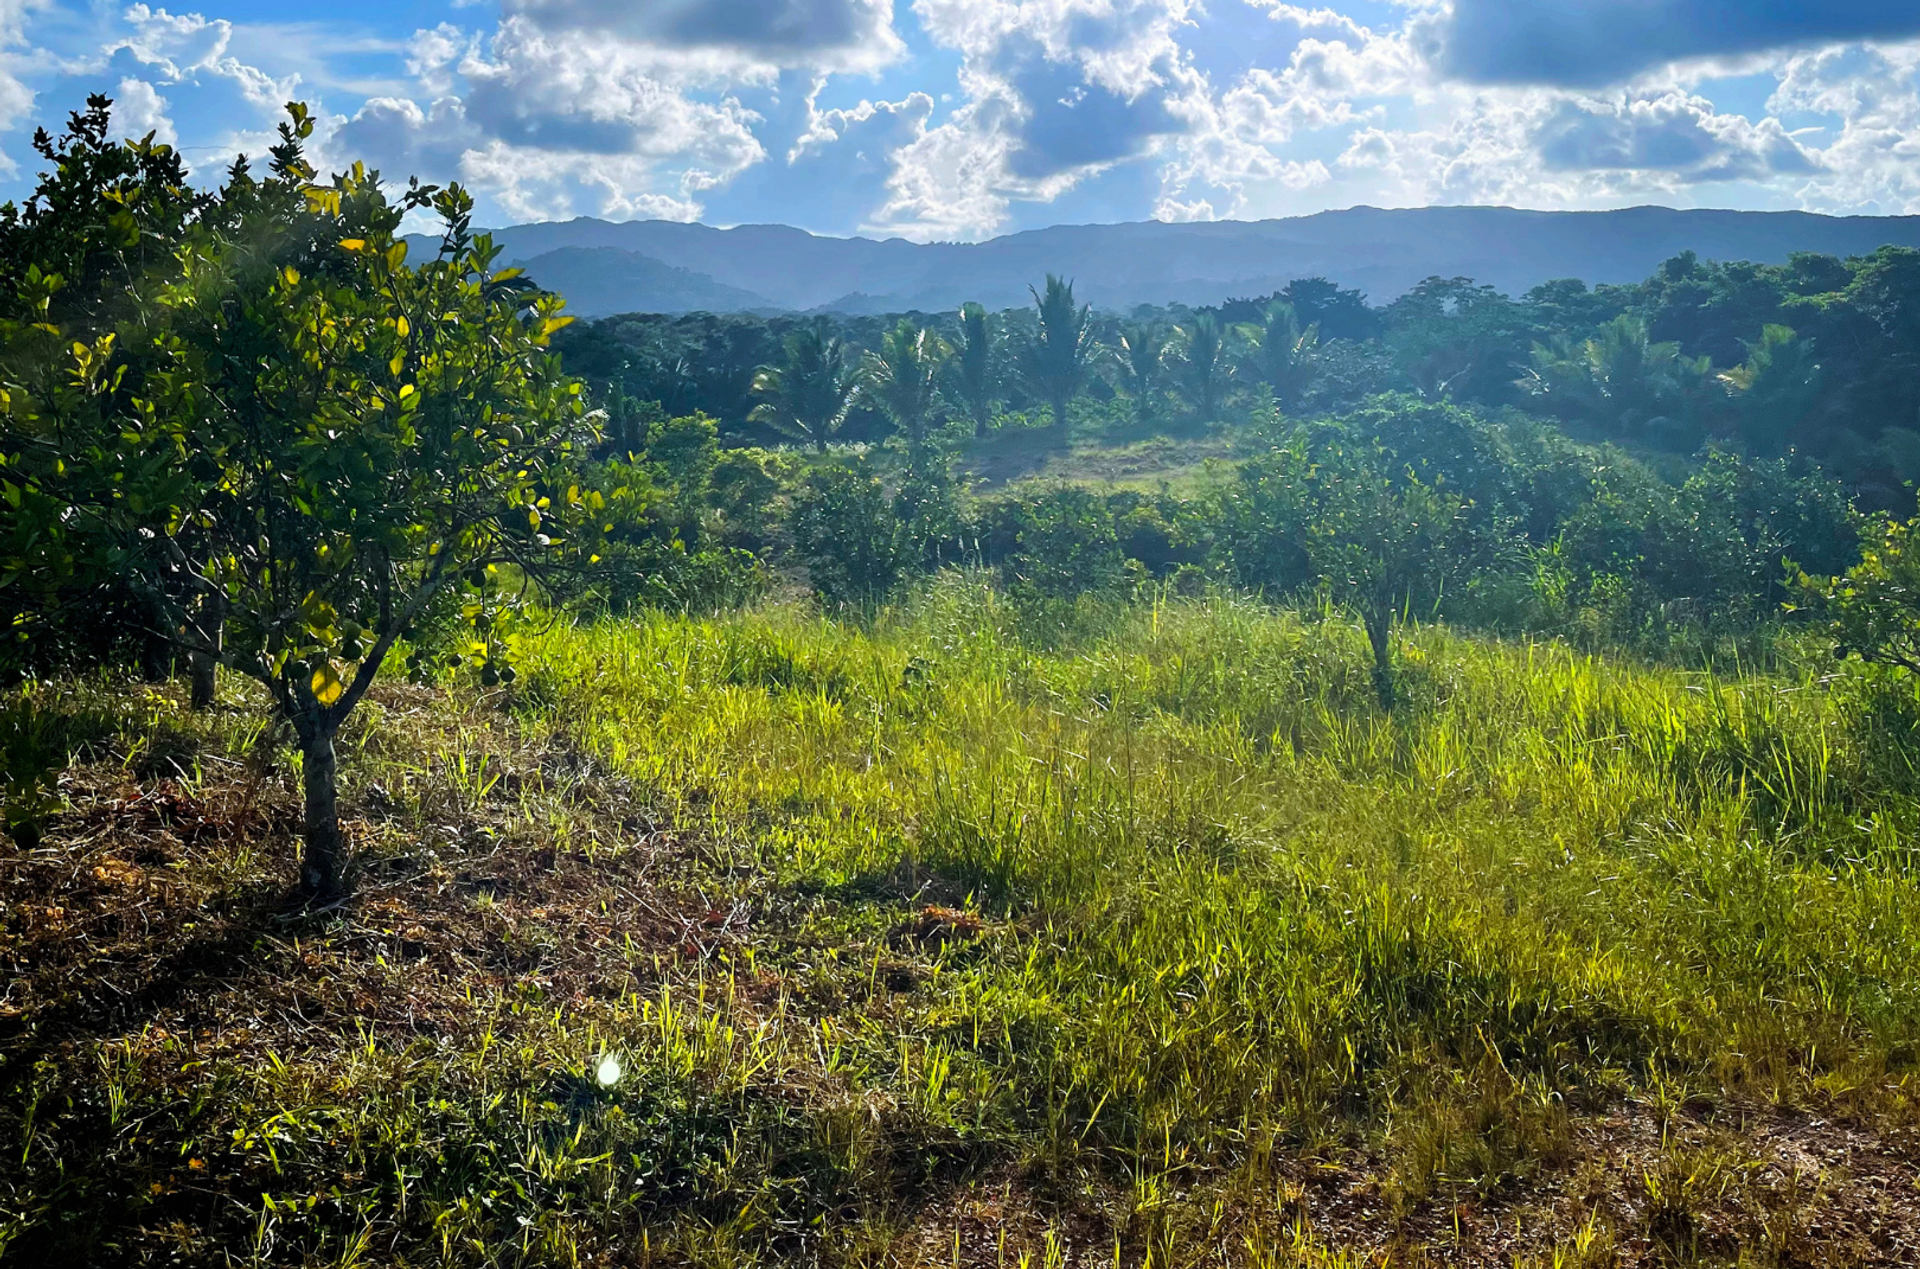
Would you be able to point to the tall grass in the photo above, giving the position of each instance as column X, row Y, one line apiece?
column 1202, row 915
column 1245, row 905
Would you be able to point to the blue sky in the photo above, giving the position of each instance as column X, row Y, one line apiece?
column 962, row 119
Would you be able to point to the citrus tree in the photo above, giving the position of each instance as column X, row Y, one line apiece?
column 333, row 451
column 1873, row 610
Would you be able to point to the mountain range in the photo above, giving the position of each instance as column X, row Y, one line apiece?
column 608, row 267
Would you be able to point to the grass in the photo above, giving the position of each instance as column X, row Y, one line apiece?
column 988, row 935
column 1128, row 458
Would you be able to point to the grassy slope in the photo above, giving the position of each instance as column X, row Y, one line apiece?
column 929, row 943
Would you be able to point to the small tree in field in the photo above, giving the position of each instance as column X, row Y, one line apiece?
column 1336, row 512
column 332, row 448
column 1381, row 547
column 1873, row 611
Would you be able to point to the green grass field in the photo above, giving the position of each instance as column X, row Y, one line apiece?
column 986, row 935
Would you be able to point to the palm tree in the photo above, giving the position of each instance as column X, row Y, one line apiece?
column 1140, row 363
column 1055, row 364
column 974, row 372
column 1281, row 353
column 1623, row 379
column 1774, row 390
column 809, row 396
column 1204, row 367
column 902, row 379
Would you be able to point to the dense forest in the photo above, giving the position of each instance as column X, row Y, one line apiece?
column 482, row 789
column 1810, row 358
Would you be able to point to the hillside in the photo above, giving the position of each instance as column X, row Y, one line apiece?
column 599, row 280
column 1382, row 252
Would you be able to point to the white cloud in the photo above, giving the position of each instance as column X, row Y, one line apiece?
column 182, row 47
column 553, row 124
column 1871, row 159
column 138, row 109
column 1675, row 132
column 840, row 35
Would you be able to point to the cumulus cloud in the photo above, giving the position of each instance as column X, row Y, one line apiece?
column 871, row 131
column 1870, row 161
column 1589, row 43
column 994, row 110
column 546, row 123
column 139, row 109
column 1056, row 91
column 187, row 46
column 1237, row 140
column 1675, row 133
column 828, row 34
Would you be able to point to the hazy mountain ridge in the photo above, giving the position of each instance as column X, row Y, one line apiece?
column 1382, row 252
column 602, row 280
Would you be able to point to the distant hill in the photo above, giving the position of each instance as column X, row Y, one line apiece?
column 606, row 267
column 601, row 280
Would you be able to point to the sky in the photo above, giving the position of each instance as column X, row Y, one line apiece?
column 964, row 119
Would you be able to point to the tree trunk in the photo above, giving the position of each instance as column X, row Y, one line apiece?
column 980, row 420
column 1060, row 421
column 205, row 667
column 325, row 852
column 156, row 652
column 1379, row 623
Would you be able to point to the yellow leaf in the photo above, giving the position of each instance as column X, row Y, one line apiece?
column 400, row 326
column 406, row 390
column 327, row 683
column 396, row 256
column 353, row 244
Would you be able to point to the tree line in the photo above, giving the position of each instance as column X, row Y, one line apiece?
column 1811, row 358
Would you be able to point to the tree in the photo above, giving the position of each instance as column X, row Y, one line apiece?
column 1625, row 382
column 1140, row 365
column 106, row 217
column 1873, row 611
column 1202, row 367
column 1381, row 546
column 809, row 396
column 902, row 379
column 1280, row 354
column 1056, row 363
column 1328, row 510
column 81, row 260
column 855, row 544
column 1774, row 390
column 975, row 374
column 336, row 451
column 1338, row 313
